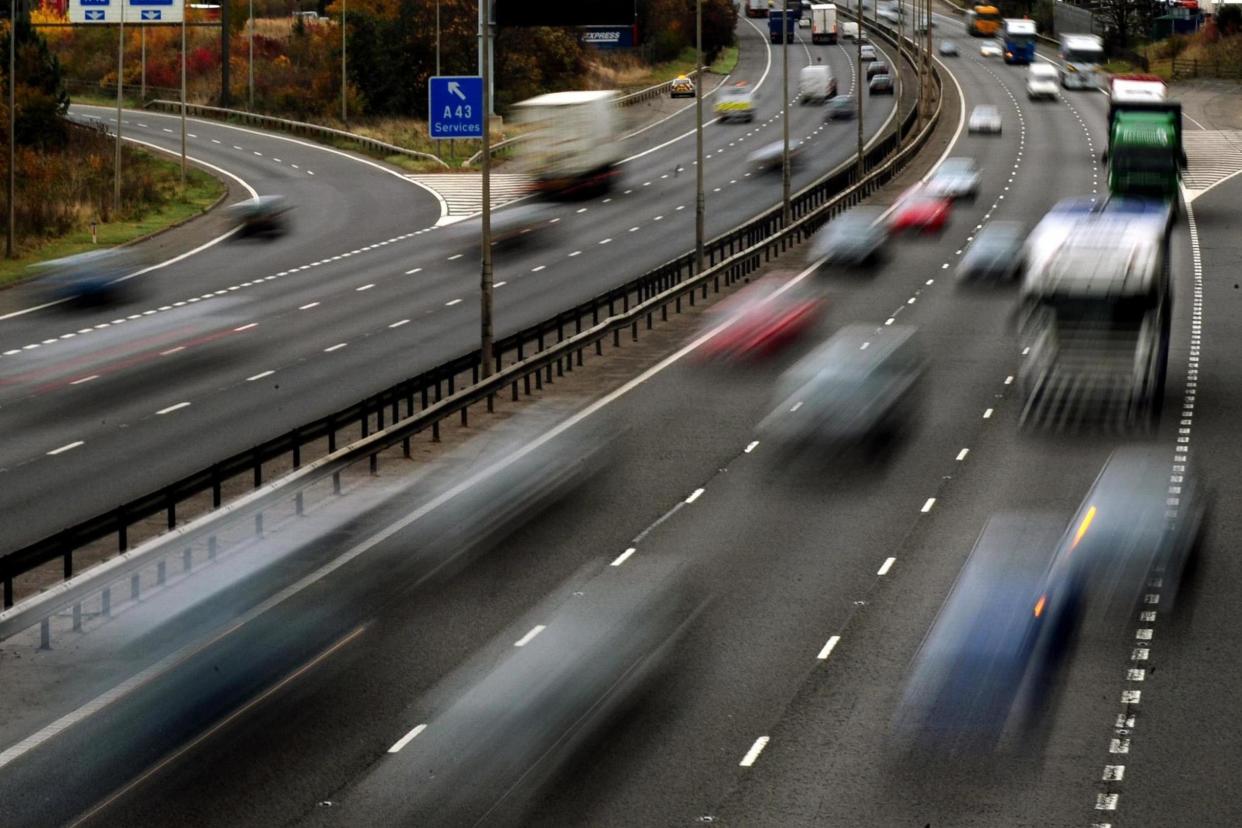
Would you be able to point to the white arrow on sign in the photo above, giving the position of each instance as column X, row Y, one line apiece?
column 92, row 14
column 455, row 88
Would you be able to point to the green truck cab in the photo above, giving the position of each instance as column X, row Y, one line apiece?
column 1145, row 155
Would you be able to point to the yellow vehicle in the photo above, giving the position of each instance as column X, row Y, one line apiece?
column 983, row 21
column 681, row 87
column 736, row 101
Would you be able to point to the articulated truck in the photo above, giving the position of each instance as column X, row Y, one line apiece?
column 1145, row 156
column 1095, row 310
column 823, row 23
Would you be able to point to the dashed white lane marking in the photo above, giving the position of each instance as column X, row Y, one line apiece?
column 695, row 495
column 927, row 507
column 538, row 268
column 407, row 738
column 338, row 346
column 575, row 253
column 624, row 556
column 451, row 302
column 987, row 415
column 886, row 566
column 309, row 305
column 530, row 636
column 172, row 351
column 365, row 287
column 606, row 241
column 260, row 376
column 173, row 408
column 412, row 272
column 754, row 444
column 85, row 379
column 246, row 327
column 399, row 323
column 500, row 284
column 961, row 455
column 455, row 257
column 828, row 648
column 753, row 753
column 66, row 447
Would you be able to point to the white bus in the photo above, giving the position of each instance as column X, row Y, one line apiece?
column 1081, row 56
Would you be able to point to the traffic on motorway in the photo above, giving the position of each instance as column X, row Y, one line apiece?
column 862, row 541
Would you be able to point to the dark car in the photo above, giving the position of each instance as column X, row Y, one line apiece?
column 841, row 108
column 996, row 252
column 856, row 238
column 265, row 215
column 881, row 85
column 92, row 278
column 879, row 67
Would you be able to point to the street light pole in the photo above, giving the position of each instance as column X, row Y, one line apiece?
column 700, row 206
column 901, row 19
column 183, row 13
column 785, row 113
column 250, row 61
column 142, row 73
column 9, row 235
column 485, row 282
column 862, row 87
column 120, row 79
column 344, row 107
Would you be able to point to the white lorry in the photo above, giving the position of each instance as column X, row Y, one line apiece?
column 849, row 30
column 1041, row 81
column 1082, row 56
column 823, row 23
column 573, row 146
column 756, row 8
column 816, row 84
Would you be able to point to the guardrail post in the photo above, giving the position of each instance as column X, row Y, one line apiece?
column 105, row 602
column 77, row 617
column 258, row 470
column 215, row 487
column 45, row 634
column 67, row 561
column 135, row 586
column 122, row 533
column 599, row 343
column 161, row 572
column 8, row 591
column 172, row 511
column 187, row 559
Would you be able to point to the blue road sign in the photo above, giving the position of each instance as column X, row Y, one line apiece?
column 455, row 106
column 85, row 3
column 137, row 3
column 149, row 14
column 94, row 14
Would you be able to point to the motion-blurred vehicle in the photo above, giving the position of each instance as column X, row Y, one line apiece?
column 855, row 238
column 823, row 21
column 867, row 51
column 1081, row 58
column 990, row 49
column 1145, row 156
column 842, row 108
column 573, row 147
column 881, row 85
column 985, row 118
column 816, row 84
column 996, row 645
column 996, row 252
column 681, row 87
column 527, row 222
column 761, row 319
column 770, row 157
column 1095, row 314
column 735, row 102
column 91, row 278
column 849, row 31
column 878, row 67
column 1018, row 34
column 919, row 210
column 1042, row 82
column 265, row 215
column 1129, row 530
column 858, row 389
column 948, row 48
column 955, row 178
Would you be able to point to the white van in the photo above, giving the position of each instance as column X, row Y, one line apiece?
column 816, row 83
column 849, row 31
column 1042, row 81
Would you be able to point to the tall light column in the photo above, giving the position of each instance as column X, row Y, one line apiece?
column 120, row 79
column 862, row 88
column 785, row 113
column 485, row 282
column 344, row 90
column 250, row 62
column 700, row 206
column 11, row 231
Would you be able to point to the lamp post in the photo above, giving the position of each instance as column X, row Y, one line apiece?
column 183, row 13
column 120, row 79
column 862, row 85
column 9, row 235
column 485, row 281
column 700, row 206
column 344, row 90
column 250, row 61
column 785, row 113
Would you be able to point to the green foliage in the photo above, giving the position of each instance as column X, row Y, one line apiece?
column 41, row 97
column 1229, row 20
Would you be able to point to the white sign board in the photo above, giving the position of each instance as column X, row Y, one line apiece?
column 136, row 11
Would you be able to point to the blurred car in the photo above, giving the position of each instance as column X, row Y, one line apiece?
column 881, row 85
column 858, row 389
column 878, row 67
column 804, row 22
column 681, row 87
column 735, row 102
column 996, row 644
column 770, row 157
column 985, row 118
column 1042, row 82
column 919, row 210
column 265, row 215
column 527, row 222
column 948, row 48
column 842, row 108
column 91, row 278
column 761, row 319
column 996, row 252
column 855, row 238
column 990, row 49
column 866, row 51
column 955, row 178
column 1132, row 527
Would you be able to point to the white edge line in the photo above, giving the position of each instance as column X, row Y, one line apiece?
column 530, row 636
column 828, row 648
column 753, row 753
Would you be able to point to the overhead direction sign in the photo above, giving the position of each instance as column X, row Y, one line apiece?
column 455, row 106
column 136, row 11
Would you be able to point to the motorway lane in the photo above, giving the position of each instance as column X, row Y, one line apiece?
column 754, row 647
column 107, row 415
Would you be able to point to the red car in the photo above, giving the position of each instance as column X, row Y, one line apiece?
column 919, row 210
column 761, row 319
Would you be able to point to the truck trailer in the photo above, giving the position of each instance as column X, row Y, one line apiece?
column 573, row 148
column 823, row 23
column 778, row 19
column 1145, row 156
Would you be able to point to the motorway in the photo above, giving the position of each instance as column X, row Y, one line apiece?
column 822, row 583
column 364, row 293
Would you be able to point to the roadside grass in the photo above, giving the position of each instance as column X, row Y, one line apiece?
column 202, row 190
column 725, row 62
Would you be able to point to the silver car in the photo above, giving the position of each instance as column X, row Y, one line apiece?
column 996, row 252
column 955, row 178
column 985, row 118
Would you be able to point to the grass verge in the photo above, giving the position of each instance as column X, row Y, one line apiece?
column 202, row 191
column 725, row 62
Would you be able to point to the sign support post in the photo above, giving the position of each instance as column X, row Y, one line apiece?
column 9, row 252
column 183, row 101
column 485, row 303
column 120, row 80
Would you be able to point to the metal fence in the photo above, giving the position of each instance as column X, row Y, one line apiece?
column 523, row 362
column 1184, row 68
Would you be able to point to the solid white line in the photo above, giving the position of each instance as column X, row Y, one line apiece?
column 67, row 447
column 753, row 753
column 526, row 639
column 623, row 557
column 695, row 495
column 399, row 323
column 961, row 455
column 886, row 566
column 260, row 376
column 338, row 346
column 309, row 306
column 173, row 408
column 85, row 379
column 828, row 648
column 927, row 507
column 407, row 738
